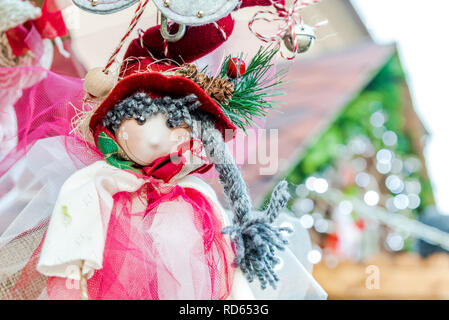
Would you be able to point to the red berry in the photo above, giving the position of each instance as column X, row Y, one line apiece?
column 332, row 241
column 236, row 68
column 360, row 224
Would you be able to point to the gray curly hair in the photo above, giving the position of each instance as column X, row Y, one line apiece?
column 141, row 107
column 255, row 238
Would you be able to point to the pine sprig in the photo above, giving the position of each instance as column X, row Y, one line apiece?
column 253, row 90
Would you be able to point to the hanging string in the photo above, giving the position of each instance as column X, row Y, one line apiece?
column 221, row 30
column 138, row 14
column 165, row 44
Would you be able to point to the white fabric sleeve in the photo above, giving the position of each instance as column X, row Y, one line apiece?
column 78, row 226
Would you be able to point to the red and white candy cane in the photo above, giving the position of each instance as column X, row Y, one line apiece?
column 139, row 11
column 288, row 19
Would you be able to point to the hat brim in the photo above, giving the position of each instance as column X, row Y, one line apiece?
column 157, row 85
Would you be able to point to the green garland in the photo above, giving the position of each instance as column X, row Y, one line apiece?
column 354, row 120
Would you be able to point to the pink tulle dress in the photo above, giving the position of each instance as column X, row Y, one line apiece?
column 151, row 236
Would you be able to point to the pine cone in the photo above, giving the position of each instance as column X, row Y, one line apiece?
column 220, row 90
column 187, row 70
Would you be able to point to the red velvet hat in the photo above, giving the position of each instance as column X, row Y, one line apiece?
column 156, row 85
column 158, row 80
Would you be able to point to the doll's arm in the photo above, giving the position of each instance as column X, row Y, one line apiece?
column 75, row 231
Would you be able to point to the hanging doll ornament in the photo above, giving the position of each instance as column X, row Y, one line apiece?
column 132, row 219
column 296, row 36
column 120, row 218
column 138, row 224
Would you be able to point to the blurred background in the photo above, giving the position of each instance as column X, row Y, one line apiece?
column 362, row 139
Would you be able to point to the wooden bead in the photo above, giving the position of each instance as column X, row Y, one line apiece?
column 97, row 83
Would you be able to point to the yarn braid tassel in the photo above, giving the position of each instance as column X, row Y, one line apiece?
column 255, row 237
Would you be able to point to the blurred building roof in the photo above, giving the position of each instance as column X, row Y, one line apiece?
column 317, row 89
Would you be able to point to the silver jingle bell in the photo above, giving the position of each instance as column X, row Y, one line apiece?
column 305, row 37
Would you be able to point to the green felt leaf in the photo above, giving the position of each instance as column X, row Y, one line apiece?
column 110, row 150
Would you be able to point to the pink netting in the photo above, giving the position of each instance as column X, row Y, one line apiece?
column 35, row 105
column 173, row 251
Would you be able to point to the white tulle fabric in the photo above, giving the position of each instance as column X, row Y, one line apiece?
column 34, row 184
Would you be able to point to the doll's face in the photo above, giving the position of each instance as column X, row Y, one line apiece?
column 145, row 143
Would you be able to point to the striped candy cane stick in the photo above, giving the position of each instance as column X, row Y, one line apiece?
column 139, row 11
column 98, row 82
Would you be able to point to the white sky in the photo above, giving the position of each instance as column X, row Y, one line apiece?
column 421, row 29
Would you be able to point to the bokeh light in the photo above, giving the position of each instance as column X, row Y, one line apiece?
column 371, row 198
column 306, row 221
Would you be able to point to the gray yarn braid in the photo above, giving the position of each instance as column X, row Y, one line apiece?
column 255, row 238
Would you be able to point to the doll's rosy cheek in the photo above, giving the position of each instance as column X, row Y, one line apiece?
column 180, row 135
